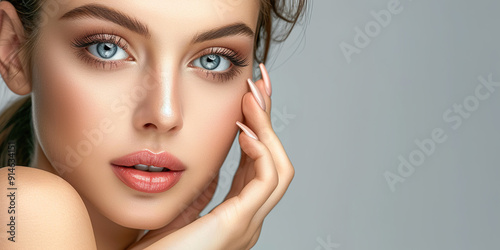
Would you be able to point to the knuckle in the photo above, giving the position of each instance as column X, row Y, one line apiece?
column 289, row 175
column 267, row 135
column 274, row 180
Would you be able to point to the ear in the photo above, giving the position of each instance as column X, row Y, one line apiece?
column 11, row 38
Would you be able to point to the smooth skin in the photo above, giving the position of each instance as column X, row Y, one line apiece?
column 262, row 178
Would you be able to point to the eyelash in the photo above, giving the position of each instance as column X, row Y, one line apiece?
column 89, row 40
column 237, row 60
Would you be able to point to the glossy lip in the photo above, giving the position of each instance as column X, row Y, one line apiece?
column 146, row 157
column 144, row 181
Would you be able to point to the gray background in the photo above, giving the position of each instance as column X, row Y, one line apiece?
column 344, row 125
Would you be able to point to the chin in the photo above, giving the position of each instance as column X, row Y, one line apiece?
column 142, row 220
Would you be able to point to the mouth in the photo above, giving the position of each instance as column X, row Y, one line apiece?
column 148, row 172
column 149, row 168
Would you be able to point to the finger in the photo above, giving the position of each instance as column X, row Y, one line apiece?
column 266, row 79
column 255, row 237
column 260, row 163
column 242, row 175
column 284, row 169
column 238, row 181
column 259, row 122
column 257, row 191
column 261, row 86
column 265, row 87
column 262, row 100
column 262, row 126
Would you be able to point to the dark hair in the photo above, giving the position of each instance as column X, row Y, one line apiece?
column 275, row 13
column 16, row 120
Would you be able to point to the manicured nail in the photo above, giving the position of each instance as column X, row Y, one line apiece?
column 267, row 80
column 256, row 93
column 247, row 130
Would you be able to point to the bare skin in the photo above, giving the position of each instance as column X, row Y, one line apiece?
column 153, row 94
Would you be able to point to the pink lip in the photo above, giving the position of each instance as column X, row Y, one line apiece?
column 144, row 181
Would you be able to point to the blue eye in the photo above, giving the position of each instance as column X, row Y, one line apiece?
column 212, row 62
column 108, row 51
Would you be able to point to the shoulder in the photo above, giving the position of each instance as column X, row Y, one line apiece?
column 44, row 210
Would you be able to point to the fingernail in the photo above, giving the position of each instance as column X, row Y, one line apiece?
column 247, row 130
column 267, row 80
column 256, row 93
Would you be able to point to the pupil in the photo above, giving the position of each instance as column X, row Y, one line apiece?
column 107, row 50
column 210, row 61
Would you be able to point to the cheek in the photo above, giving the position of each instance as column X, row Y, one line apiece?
column 69, row 102
column 65, row 108
column 210, row 114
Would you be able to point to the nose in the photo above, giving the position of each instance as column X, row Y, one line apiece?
column 160, row 110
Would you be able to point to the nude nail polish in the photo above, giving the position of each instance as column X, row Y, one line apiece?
column 256, row 93
column 247, row 130
column 267, row 80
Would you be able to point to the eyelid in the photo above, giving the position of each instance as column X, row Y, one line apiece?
column 237, row 60
column 94, row 38
column 82, row 43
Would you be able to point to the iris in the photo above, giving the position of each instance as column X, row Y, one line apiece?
column 210, row 62
column 106, row 50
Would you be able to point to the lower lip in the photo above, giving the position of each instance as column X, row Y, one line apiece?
column 147, row 182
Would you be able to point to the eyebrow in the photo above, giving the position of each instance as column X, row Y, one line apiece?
column 105, row 13
column 229, row 30
column 108, row 14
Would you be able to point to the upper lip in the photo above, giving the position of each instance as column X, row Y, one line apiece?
column 147, row 157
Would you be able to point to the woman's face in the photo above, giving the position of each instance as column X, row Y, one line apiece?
column 115, row 77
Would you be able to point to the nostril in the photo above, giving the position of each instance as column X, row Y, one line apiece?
column 153, row 126
column 149, row 125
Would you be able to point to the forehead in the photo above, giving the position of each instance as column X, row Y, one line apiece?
column 172, row 15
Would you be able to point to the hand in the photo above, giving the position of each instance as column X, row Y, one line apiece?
column 190, row 214
column 261, row 180
column 264, row 164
